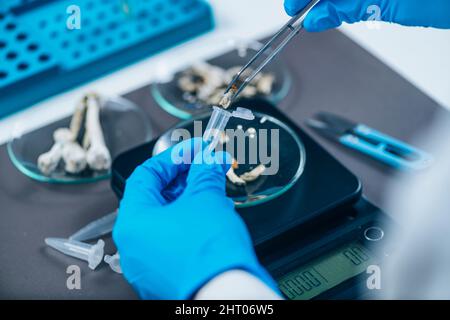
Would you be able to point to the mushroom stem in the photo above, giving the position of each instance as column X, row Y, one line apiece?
column 65, row 148
column 73, row 154
column 253, row 174
column 98, row 155
column 78, row 119
column 49, row 161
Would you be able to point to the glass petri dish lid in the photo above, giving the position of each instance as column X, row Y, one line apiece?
column 124, row 126
column 175, row 101
column 263, row 141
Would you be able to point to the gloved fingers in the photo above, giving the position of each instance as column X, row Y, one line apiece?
column 323, row 16
column 175, row 188
column 153, row 176
column 208, row 172
column 329, row 14
column 293, row 7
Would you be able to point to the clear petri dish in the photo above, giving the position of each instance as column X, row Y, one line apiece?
column 274, row 140
column 124, row 126
column 172, row 99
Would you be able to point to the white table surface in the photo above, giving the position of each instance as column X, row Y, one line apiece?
column 420, row 55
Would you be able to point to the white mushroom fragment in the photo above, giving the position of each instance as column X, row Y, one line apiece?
column 265, row 84
column 98, row 156
column 253, row 174
column 232, row 176
column 78, row 119
column 187, row 84
column 216, row 96
column 202, row 80
column 74, row 158
column 73, row 154
column 63, row 147
column 250, row 176
column 249, row 91
column 225, row 102
column 84, row 125
column 212, row 79
column 206, row 83
column 49, row 161
column 231, row 73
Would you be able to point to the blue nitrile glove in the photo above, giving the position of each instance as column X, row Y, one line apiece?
column 331, row 13
column 170, row 249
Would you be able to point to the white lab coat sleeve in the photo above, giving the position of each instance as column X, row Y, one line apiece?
column 236, row 285
column 420, row 264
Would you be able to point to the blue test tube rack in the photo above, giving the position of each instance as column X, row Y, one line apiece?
column 40, row 56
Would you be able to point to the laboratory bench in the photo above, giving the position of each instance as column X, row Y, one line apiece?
column 330, row 73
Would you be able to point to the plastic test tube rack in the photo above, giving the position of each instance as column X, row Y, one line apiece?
column 40, row 56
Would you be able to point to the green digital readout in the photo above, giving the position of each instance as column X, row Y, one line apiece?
column 326, row 272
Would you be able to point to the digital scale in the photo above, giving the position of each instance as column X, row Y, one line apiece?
column 318, row 238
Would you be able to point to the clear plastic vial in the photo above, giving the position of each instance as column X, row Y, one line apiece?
column 219, row 120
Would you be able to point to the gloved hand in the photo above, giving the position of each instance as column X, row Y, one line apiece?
column 170, row 248
column 331, row 13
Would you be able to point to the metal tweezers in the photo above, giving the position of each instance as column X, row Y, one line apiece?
column 283, row 37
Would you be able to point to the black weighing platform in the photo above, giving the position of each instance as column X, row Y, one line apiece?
column 330, row 73
column 325, row 184
column 311, row 238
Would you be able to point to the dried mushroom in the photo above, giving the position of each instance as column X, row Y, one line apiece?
column 205, row 83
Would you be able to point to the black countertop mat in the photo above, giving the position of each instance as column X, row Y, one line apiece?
column 330, row 72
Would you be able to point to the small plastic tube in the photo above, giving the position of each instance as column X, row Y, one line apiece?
column 219, row 120
column 96, row 229
column 93, row 254
column 216, row 125
column 114, row 262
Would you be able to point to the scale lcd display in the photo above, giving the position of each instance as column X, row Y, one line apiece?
column 326, row 272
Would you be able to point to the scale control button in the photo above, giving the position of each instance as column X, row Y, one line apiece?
column 373, row 234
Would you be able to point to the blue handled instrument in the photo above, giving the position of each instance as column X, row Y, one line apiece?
column 380, row 146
